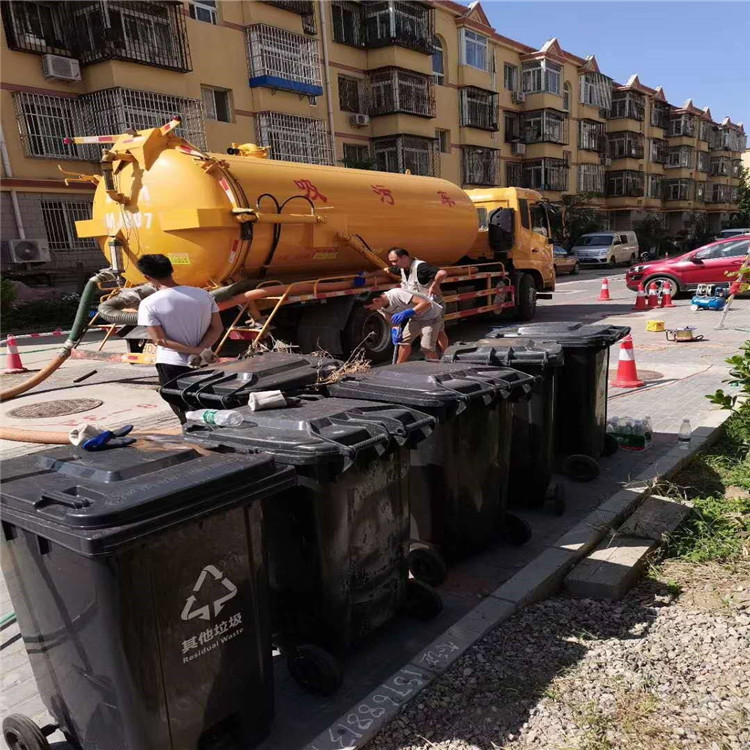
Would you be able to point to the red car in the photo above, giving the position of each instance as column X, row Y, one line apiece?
column 705, row 265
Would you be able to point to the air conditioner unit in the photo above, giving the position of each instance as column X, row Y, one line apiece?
column 519, row 97
column 26, row 251
column 359, row 120
column 519, row 149
column 61, row 68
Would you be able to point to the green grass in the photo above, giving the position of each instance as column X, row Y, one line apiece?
column 719, row 527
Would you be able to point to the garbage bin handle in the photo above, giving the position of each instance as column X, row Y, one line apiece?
column 351, row 453
column 395, row 429
column 487, row 395
column 56, row 497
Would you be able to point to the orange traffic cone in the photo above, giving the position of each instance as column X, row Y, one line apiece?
column 640, row 300
column 13, row 362
column 604, row 294
column 627, row 375
column 666, row 295
column 653, row 295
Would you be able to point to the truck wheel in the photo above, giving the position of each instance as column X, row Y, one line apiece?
column 21, row 733
column 525, row 297
column 314, row 669
column 369, row 331
column 427, row 565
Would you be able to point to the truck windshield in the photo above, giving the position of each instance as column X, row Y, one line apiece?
column 594, row 239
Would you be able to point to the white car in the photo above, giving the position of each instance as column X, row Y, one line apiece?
column 606, row 248
column 727, row 233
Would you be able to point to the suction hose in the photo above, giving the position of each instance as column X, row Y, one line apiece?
column 76, row 331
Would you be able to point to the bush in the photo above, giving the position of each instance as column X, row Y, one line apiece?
column 739, row 376
column 7, row 297
column 40, row 315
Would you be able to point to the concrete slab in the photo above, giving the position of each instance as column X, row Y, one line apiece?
column 655, row 518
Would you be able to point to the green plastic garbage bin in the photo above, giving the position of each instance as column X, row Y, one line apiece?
column 138, row 577
column 338, row 543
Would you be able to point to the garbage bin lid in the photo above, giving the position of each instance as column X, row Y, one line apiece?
column 85, row 500
column 317, row 430
column 230, row 385
column 570, row 334
column 509, row 352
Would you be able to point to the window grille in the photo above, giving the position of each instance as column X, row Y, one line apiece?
column 399, row 153
column 596, row 90
column 546, row 174
column 42, row 27
column 60, row 217
column 479, row 109
column 350, row 94
column 480, row 165
column 678, row 190
column 682, row 125
column 655, row 186
column 700, row 191
column 625, row 145
column 395, row 90
column 720, row 165
column 407, row 24
column 660, row 115
column 625, row 183
column 44, row 123
column 294, row 138
column 658, row 152
column 591, row 178
column 679, row 156
column 628, row 104
column 591, row 136
column 514, row 174
column 301, row 7
column 544, row 126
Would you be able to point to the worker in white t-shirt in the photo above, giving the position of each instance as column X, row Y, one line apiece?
column 181, row 320
column 421, row 317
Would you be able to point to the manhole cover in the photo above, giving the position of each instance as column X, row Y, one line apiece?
column 642, row 374
column 55, row 408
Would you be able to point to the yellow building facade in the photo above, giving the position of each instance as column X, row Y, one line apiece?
column 428, row 87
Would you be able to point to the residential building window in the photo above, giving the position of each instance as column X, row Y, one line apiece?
column 703, row 162
column 513, row 174
column 406, row 24
column 700, row 191
column 682, row 125
column 658, row 151
column 628, row 104
column 678, row 190
column 596, row 90
column 216, row 104
column 45, row 121
column 591, row 136
column 512, row 127
column 38, row 27
column 541, row 76
column 350, row 94
column 735, row 168
column 704, row 132
column 60, row 217
column 591, row 178
column 720, row 165
column 444, row 140
column 293, row 138
column 396, row 90
column 546, row 174
column 479, row 109
column 510, row 77
column 544, row 126
column 655, row 186
column 203, row 10
column 721, row 194
column 729, row 139
column 626, row 182
column 279, row 59
column 406, row 152
column 679, row 156
column 479, row 165
column 660, row 115
column 474, row 49
column 357, row 156
column 347, row 23
column 438, row 61
column 566, row 97
column 625, row 145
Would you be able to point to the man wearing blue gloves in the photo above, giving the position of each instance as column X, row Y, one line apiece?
column 418, row 316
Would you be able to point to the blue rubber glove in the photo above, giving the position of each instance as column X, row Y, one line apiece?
column 110, row 439
column 359, row 280
column 396, row 335
column 401, row 318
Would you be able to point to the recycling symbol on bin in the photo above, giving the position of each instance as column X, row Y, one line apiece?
column 190, row 611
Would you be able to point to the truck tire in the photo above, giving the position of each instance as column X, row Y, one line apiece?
column 525, row 297
column 369, row 331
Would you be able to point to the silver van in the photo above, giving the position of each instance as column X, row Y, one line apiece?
column 606, row 248
column 725, row 234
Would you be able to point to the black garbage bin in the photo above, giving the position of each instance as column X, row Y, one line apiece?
column 581, row 423
column 230, row 385
column 139, row 581
column 459, row 475
column 533, row 444
column 338, row 543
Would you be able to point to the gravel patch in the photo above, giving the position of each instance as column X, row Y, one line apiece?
column 667, row 667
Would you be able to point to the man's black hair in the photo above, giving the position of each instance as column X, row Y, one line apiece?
column 156, row 266
column 400, row 252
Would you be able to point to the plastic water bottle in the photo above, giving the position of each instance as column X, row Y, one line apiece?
column 685, row 434
column 217, row 417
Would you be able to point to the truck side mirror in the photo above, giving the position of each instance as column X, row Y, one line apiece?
column 501, row 230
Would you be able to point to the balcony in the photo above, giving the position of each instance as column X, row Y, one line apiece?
column 149, row 33
column 625, row 145
column 393, row 91
column 721, row 166
column 625, row 183
column 682, row 125
column 628, row 105
column 679, row 190
column 546, row 174
column 479, row 109
column 591, row 136
column 660, row 115
column 406, row 152
column 480, row 166
column 679, row 157
column 544, row 126
column 282, row 60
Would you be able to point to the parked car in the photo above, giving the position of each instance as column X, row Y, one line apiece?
column 706, row 265
column 565, row 261
column 606, row 248
column 725, row 234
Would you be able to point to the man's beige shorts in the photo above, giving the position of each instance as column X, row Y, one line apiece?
column 427, row 333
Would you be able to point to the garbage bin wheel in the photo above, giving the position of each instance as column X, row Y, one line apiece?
column 315, row 669
column 581, row 468
column 516, row 530
column 427, row 565
column 422, row 601
column 558, row 499
column 610, row 446
column 21, row 733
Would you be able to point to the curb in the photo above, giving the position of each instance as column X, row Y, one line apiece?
column 536, row 581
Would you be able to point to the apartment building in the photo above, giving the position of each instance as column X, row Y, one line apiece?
column 394, row 85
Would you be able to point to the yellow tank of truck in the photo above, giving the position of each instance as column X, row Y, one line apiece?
column 220, row 217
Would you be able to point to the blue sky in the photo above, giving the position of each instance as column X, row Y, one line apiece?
column 699, row 50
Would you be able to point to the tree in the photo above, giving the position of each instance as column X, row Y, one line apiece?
column 351, row 162
column 651, row 233
column 742, row 216
column 577, row 216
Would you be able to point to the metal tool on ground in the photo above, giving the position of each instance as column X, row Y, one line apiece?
column 665, row 298
column 604, row 292
column 682, row 335
column 397, row 334
column 640, row 299
column 655, row 326
column 627, row 374
column 13, row 364
column 653, row 295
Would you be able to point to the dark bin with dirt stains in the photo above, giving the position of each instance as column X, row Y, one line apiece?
column 139, row 580
column 533, row 444
column 459, row 475
column 338, row 543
